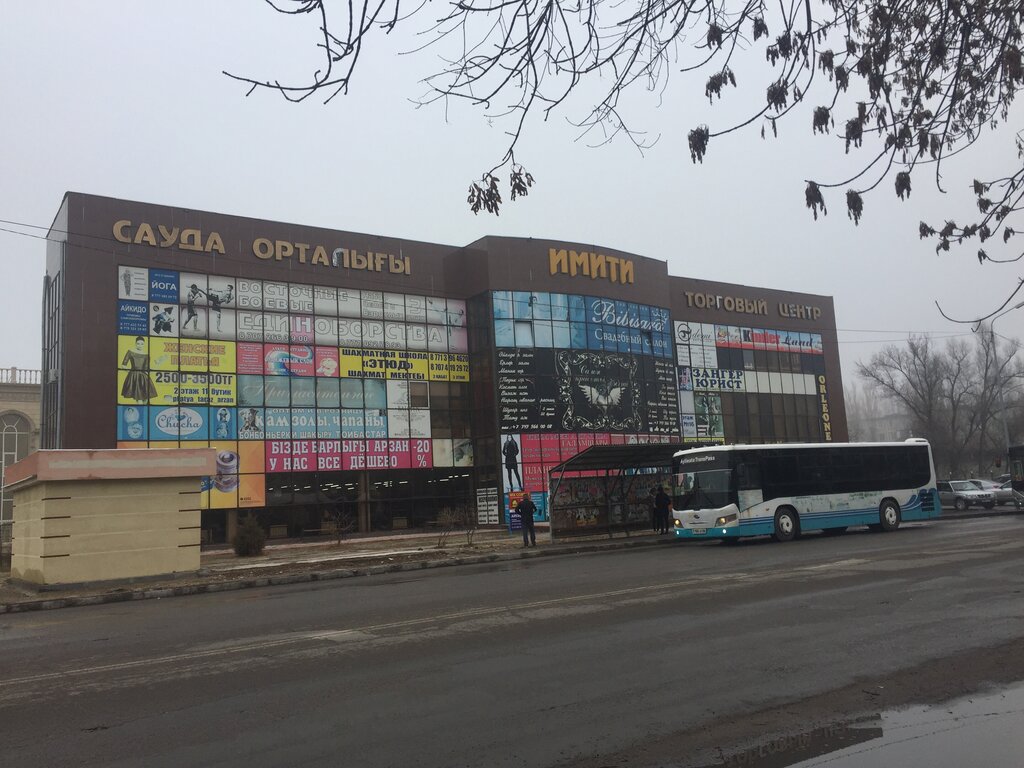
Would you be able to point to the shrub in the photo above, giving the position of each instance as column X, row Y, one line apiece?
column 250, row 538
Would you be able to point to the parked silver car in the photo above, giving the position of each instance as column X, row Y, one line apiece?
column 996, row 489
column 1006, row 495
column 963, row 494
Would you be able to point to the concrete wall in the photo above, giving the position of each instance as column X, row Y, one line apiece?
column 85, row 531
column 88, row 516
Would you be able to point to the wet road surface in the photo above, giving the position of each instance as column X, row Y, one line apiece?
column 680, row 655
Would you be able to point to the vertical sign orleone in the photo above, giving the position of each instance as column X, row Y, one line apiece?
column 826, row 417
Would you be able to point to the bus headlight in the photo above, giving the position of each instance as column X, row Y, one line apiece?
column 725, row 520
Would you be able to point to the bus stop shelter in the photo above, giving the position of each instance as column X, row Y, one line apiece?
column 609, row 488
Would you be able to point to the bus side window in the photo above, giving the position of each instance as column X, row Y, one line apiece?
column 748, row 476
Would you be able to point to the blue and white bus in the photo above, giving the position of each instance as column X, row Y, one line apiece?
column 783, row 490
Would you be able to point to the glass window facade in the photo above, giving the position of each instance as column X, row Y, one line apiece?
column 749, row 385
column 288, row 379
column 376, row 387
column 577, row 371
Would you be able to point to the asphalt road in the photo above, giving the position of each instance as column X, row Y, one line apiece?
column 548, row 661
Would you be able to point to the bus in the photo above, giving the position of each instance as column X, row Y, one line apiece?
column 725, row 492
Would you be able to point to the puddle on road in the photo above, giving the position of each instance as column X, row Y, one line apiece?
column 984, row 730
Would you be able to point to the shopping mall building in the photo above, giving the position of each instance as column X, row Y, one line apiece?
column 394, row 379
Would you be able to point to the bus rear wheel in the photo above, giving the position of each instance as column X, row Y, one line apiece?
column 889, row 516
column 787, row 524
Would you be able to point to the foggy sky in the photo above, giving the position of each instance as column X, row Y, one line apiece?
column 127, row 99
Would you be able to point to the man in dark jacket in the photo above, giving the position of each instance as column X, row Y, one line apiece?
column 662, row 510
column 526, row 509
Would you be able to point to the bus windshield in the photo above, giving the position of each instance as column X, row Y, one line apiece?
column 704, row 489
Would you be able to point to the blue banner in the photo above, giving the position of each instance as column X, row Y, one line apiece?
column 163, row 286
column 178, row 424
column 132, row 422
column 132, row 318
column 278, row 423
column 328, row 424
column 303, row 423
column 224, row 423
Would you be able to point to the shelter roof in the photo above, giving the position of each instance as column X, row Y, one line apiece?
column 621, row 457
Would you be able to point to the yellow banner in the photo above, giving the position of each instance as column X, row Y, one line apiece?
column 224, row 485
column 252, row 491
column 445, row 366
column 191, row 355
column 174, row 388
column 383, row 364
column 133, row 352
column 223, row 388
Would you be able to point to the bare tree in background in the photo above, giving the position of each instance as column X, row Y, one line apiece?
column 905, row 84
column 871, row 418
column 954, row 395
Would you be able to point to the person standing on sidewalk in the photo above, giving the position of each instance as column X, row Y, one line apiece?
column 526, row 509
column 662, row 510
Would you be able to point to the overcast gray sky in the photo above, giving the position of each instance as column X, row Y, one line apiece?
column 127, row 99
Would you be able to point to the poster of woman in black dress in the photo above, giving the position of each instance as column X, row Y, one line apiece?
column 510, row 450
column 137, row 384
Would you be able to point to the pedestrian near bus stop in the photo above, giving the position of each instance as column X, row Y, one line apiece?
column 662, row 510
column 526, row 509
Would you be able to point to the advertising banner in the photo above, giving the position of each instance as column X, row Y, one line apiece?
column 598, row 391
column 132, row 318
column 132, row 283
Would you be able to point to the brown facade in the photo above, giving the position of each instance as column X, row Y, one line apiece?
column 545, row 286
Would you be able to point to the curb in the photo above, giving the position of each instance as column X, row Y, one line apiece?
column 157, row 593
column 954, row 515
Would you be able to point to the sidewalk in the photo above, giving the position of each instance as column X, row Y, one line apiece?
column 295, row 563
column 301, row 562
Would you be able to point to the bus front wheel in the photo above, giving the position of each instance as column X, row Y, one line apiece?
column 889, row 515
column 787, row 524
